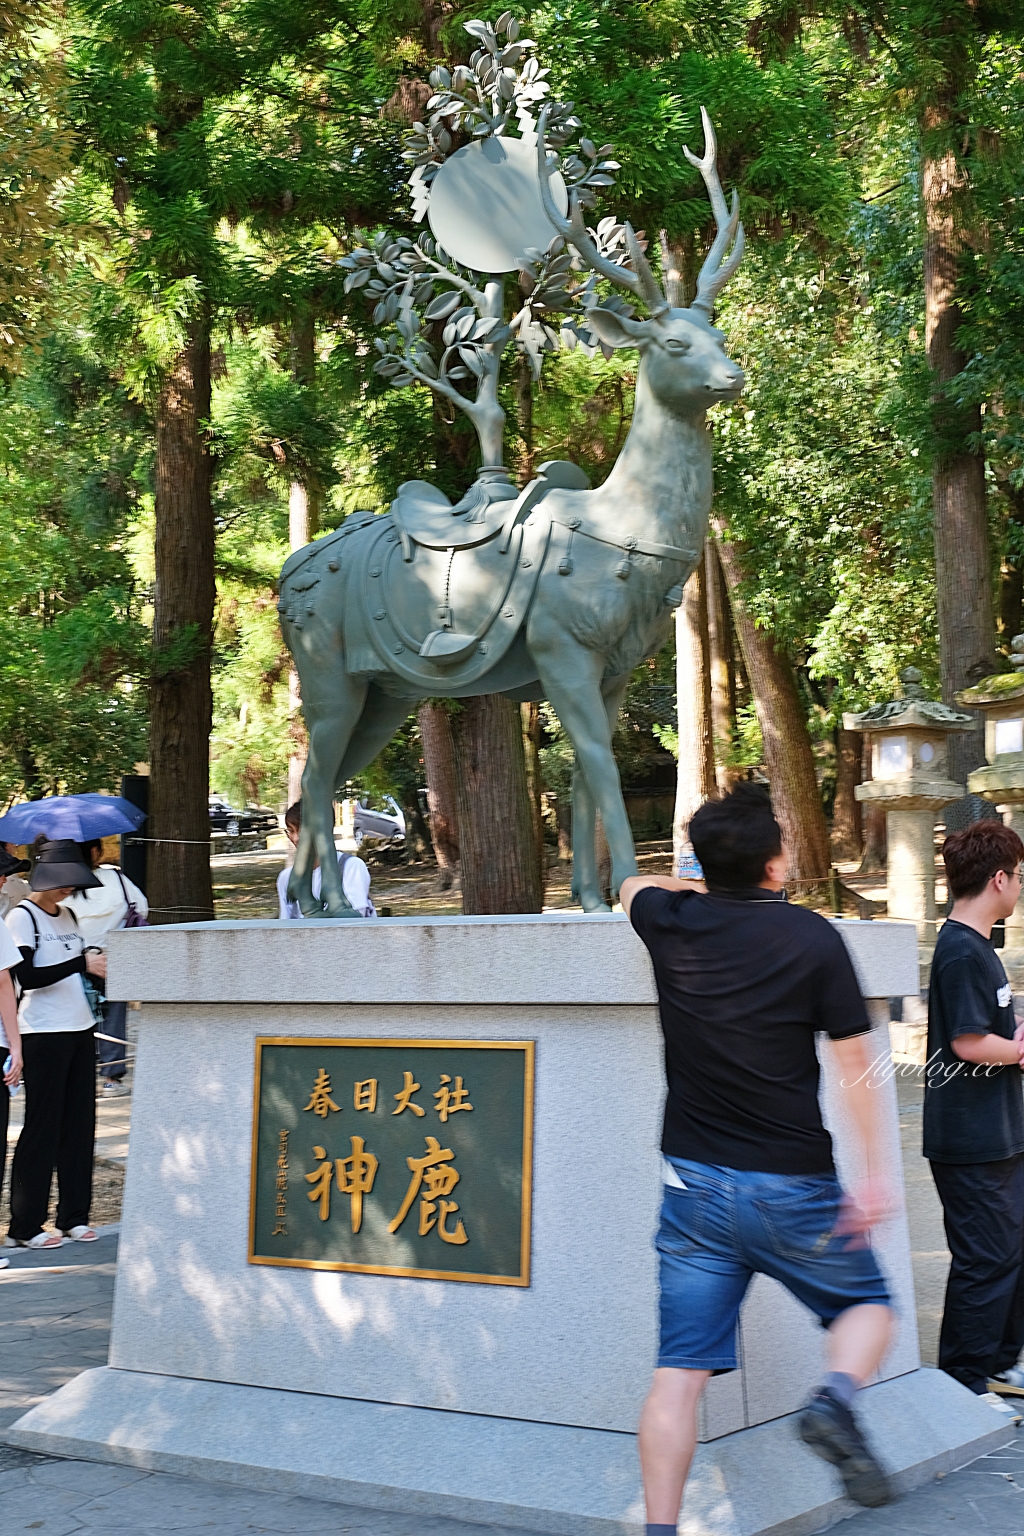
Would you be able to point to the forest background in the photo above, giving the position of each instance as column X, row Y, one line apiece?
column 188, row 389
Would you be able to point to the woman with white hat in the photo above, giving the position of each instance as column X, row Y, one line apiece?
column 58, row 1044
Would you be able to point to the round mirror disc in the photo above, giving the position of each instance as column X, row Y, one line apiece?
column 485, row 207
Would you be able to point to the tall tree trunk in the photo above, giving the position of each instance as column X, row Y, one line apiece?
column 532, row 731
column 846, row 812
column 876, row 831
column 524, row 415
column 963, row 575
column 721, row 669
column 499, row 873
column 303, row 525
column 181, row 706
column 787, row 746
column 442, row 800
column 695, row 770
column 1011, row 587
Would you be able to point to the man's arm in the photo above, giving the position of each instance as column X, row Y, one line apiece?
column 874, row 1197
column 989, row 1050
column 634, row 883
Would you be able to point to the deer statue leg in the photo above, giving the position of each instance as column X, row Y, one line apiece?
column 572, row 679
column 585, row 883
column 331, row 719
column 380, row 719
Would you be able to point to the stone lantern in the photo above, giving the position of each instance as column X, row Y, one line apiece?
column 1001, row 700
column 909, row 776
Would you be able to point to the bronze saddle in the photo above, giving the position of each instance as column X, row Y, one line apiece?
column 438, row 592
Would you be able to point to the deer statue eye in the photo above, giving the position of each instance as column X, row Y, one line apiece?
column 675, row 345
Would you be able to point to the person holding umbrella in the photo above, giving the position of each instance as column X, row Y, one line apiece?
column 10, row 1035
column 59, row 1051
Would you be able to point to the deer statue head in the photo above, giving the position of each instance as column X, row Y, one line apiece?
column 684, row 361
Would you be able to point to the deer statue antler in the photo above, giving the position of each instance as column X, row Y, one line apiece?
column 716, row 272
column 641, row 282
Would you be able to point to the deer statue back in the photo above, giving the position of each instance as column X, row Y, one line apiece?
column 554, row 592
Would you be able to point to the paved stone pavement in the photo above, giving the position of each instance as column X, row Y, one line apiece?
column 54, row 1322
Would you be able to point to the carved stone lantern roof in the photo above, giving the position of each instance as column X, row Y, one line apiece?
column 909, row 748
column 1001, row 700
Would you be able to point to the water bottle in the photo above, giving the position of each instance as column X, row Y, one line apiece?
column 7, row 1067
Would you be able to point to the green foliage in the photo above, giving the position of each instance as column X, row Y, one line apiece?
column 224, row 157
column 74, row 454
column 34, row 162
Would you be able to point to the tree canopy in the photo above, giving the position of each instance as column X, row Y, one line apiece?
column 199, row 184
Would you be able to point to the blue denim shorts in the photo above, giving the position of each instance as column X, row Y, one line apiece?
column 727, row 1224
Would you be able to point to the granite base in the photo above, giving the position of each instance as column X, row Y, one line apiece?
column 565, row 1480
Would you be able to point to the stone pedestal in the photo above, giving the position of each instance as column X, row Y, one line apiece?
column 513, row 1406
column 910, row 879
column 909, row 778
column 1001, row 780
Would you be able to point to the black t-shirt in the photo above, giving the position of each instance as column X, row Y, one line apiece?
column 972, row 1114
column 744, row 982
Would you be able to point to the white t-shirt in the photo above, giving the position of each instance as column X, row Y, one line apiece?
column 100, row 911
column 10, row 955
column 355, row 882
column 44, row 1010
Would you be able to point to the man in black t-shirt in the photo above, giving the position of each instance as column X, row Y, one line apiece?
column 974, row 1115
column 745, row 982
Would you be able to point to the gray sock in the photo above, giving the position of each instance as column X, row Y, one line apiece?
column 842, row 1386
column 660, row 1530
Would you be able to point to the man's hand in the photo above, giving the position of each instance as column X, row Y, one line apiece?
column 634, row 883
column 96, row 965
column 872, row 1202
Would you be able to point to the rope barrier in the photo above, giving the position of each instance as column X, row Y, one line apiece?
column 129, row 1050
column 182, row 842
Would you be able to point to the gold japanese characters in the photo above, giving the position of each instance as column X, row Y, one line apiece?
column 398, row 1176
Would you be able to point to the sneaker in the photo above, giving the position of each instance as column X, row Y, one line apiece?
column 1010, row 1382
column 832, row 1433
column 112, row 1089
column 1004, row 1409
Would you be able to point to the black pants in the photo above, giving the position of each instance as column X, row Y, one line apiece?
column 5, row 1109
column 59, row 1132
column 983, row 1317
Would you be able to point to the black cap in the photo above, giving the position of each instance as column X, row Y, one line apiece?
column 10, row 864
column 61, row 864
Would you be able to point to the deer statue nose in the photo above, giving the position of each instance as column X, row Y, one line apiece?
column 727, row 383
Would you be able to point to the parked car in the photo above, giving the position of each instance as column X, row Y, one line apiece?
column 382, row 820
column 254, row 818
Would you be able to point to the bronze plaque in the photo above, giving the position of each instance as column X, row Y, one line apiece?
column 394, row 1157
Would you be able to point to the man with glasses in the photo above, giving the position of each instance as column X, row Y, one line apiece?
column 974, row 1115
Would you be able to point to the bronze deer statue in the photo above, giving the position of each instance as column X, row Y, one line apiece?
column 556, row 592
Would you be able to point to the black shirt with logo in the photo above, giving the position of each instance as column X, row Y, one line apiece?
column 972, row 1114
column 745, row 981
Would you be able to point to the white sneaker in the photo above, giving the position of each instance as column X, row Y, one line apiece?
column 1010, row 1382
column 113, row 1089
column 1003, row 1408
column 5, row 1263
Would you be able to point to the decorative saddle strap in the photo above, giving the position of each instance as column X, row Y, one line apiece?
column 631, row 545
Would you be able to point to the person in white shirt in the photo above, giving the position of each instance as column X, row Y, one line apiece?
column 10, row 1038
column 59, row 1054
column 118, row 903
column 355, row 877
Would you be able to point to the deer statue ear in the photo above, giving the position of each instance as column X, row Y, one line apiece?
column 616, row 330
